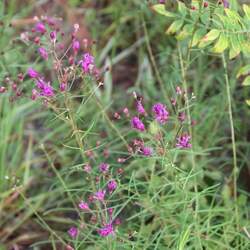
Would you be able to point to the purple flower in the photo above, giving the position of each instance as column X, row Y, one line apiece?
column 73, row 232
column 76, row 46
column 40, row 27
column 43, row 53
column 83, row 205
column 104, row 167
column 99, row 195
column 106, row 230
column 62, row 86
column 225, row 3
column 183, row 141
column 52, row 35
column 182, row 116
column 161, row 113
column 87, row 168
column 140, row 108
column 45, row 88
column 34, row 94
column 178, row 90
column 137, row 124
column 87, row 62
column 32, row 73
column 162, row 1
column 112, row 185
column 147, row 151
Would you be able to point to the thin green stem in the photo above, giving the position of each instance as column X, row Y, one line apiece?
column 184, row 81
column 230, row 113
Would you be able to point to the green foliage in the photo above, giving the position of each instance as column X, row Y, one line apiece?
column 214, row 27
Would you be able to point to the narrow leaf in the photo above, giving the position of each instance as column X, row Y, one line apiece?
column 246, row 82
column 243, row 70
column 175, row 26
column 160, row 9
column 246, row 9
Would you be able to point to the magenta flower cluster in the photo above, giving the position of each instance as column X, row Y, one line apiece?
column 183, row 141
column 160, row 112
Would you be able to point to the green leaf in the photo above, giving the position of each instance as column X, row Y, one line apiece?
column 184, row 238
column 248, row 102
column 160, row 9
column 235, row 47
column 246, row 9
column 243, row 70
column 186, row 32
column 205, row 15
column 175, row 26
column 182, row 8
column 209, row 37
column 246, row 82
column 233, row 15
column 197, row 37
column 221, row 44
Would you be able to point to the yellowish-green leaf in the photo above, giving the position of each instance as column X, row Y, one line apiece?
column 160, row 9
column 221, row 44
column 248, row 102
column 233, row 15
column 246, row 82
column 246, row 9
column 209, row 38
column 186, row 32
column 211, row 35
column 197, row 37
column 182, row 8
column 235, row 47
column 175, row 26
column 246, row 48
column 243, row 70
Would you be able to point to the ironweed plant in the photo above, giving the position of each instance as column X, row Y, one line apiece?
column 132, row 174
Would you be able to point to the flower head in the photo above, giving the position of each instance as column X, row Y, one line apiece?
column 225, row 3
column 112, row 185
column 99, row 195
column 76, row 46
column 140, row 108
column 87, row 63
column 73, row 232
column 52, row 35
column 43, row 53
column 160, row 112
column 178, row 90
column 32, row 73
column 182, row 116
column 106, row 230
column 45, row 88
column 62, row 86
column 147, row 151
column 104, row 167
column 87, row 168
column 183, row 141
column 40, row 27
column 83, row 205
column 137, row 124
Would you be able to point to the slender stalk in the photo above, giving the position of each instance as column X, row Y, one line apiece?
column 184, row 81
column 230, row 113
